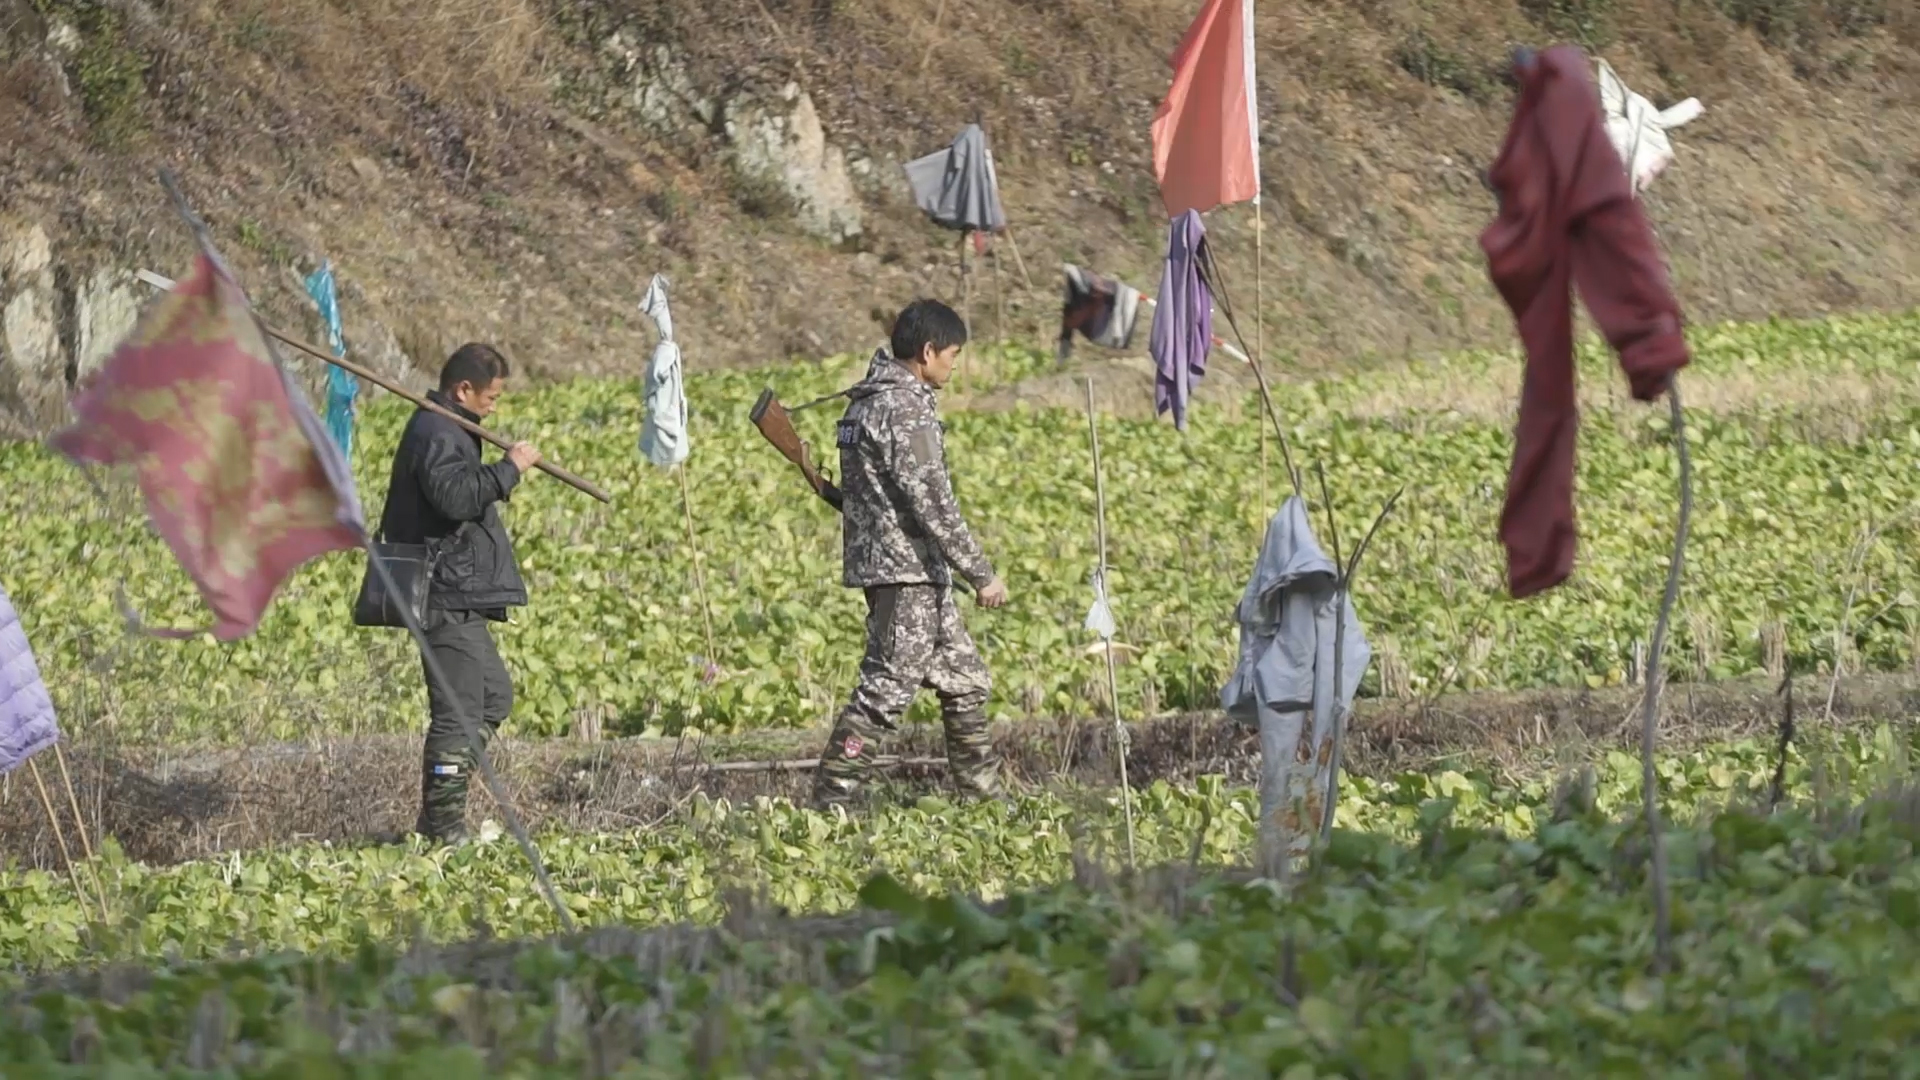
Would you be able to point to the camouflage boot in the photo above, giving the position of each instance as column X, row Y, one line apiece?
column 971, row 762
column 443, row 798
column 844, row 764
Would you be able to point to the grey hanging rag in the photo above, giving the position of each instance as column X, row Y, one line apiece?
column 957, row 186
column 1283, row 683
column 1105, row 310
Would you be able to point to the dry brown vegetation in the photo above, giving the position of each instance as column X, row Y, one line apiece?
column 167, row 805
column 468, row 168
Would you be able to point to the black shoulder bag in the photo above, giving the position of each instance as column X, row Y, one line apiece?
column 410, row 566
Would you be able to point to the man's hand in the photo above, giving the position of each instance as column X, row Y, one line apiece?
column 524, row 457
column 994, row 595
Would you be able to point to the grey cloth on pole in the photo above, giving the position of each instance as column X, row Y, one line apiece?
column 1283, row 683
column 957, row 186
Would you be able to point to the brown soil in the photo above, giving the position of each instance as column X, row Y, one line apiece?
column 464, row 168
column 166, row 806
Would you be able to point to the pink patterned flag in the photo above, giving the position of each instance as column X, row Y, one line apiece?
column 238, row 474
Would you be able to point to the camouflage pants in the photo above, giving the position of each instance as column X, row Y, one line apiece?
column 915, row 639
column 479, row 686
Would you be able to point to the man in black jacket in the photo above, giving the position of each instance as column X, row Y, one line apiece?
column 443, row 495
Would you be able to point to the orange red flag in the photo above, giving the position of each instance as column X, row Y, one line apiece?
column 238, row 474
column 1206, row 148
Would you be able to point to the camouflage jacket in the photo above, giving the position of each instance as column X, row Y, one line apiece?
column 902, row 523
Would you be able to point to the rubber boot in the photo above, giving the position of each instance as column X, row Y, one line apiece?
column 843, row 767
column 971, row 761
column 443, row 798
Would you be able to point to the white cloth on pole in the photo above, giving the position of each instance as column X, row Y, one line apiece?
column 663, row 430
column 1637, row 130
column 1284, row 682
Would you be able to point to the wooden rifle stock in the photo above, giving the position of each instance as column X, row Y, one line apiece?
column 771, row 418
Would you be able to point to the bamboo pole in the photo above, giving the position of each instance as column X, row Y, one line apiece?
column 699, row 577
column 60, row 837
column 805, row 764
column 966, row 308
column 999, row 299
column 1650, row 702
column 934, row 41
column 1113, row 679
column 391, row 387
column 1260, row 325
column 80, row 825
column 1342, row 590
column 1019, row 262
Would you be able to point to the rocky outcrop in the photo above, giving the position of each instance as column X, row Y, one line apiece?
column 781, row 140
column 62, row 315
column 33, row 357
column 105, row 307
column 771, row 138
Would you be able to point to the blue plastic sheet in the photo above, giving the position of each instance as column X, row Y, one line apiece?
column 342, row 388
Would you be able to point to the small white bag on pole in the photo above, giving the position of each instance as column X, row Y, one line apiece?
column 1100, row 615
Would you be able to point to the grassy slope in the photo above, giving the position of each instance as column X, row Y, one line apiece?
column 437, row 153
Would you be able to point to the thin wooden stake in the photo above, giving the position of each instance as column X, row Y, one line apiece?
column 80, row 825
column 927, row 57
column 999, row 299
column 1341, row 592
column 1210, row 270
column 966, row 309
column 1113, row 680
column 1650, row 704
column 80, row 822
column 1779, row 787
column 1018, row 262
column 1260, row 326
column 60, row 836
column 699, row 577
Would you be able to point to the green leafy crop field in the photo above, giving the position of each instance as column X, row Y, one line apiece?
column 1469, row 927
column 1790, row 480
column 326, row 898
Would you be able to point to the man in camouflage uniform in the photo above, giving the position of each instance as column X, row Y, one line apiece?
column 902, row 531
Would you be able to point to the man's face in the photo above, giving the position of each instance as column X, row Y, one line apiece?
column 937, row 366
column 480, row 401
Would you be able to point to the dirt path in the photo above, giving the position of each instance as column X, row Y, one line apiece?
column 170, row 805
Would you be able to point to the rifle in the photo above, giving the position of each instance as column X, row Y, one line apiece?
column 776, row 424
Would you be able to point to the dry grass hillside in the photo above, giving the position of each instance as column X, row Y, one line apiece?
column 514, row 169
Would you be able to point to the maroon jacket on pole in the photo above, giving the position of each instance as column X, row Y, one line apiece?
column 1567, row 216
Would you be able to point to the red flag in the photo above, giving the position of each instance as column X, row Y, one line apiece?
column 234, row 465
column 1206, row 135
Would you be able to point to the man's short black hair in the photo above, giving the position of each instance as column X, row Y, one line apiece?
column 923, row 323
column 473, row 363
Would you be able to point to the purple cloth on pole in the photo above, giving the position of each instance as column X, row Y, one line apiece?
column 1182, row 320
column 26, row 712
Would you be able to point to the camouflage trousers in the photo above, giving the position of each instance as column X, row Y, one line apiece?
column 915, row 639
column 478, row 686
